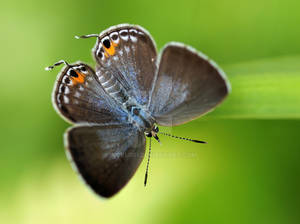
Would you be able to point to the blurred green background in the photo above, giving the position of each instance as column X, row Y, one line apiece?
column 248, row 173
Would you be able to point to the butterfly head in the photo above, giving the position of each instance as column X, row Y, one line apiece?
column 153, row 133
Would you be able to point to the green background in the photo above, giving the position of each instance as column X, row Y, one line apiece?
column 248, row 173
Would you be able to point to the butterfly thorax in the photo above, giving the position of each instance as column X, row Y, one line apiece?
column 137, row 114
column 140, row 117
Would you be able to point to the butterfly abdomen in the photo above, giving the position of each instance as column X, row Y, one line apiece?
column 113, row 87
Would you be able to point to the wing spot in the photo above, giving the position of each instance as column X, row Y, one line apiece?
column 109, row 46
column 61, row 88
column 106, row 43
column 100, row 52
column 115, row 37
column 66, row 100
column 73, row 73
column 83, row 69
column 124, row 35
column 58, row 98
column 66, row 90
column 66, row 80
column 79, row 79
column 133, row 35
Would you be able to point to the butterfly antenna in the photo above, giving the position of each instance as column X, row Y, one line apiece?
column 56, row 64
column 86, row 36
column 182, row 138
column 146, row 174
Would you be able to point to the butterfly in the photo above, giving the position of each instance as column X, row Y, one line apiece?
column 120, row 103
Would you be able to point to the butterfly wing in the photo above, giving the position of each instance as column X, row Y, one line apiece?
column 79, row 97
column 128, row 54
column 187, row 85
column 106, row 157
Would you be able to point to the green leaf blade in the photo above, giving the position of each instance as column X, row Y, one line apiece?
column 265, row 89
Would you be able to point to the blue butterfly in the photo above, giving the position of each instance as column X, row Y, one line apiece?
column 132, row 89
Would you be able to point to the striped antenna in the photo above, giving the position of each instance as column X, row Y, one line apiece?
column 182, row 138
column 86, row 36
column 146, row 174
column 56, row 64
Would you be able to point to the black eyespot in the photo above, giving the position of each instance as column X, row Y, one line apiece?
column 149, row 134
column 106, row 43
column 67, row 80
column 123, row 33
column 133, row 33
column 100, row 53
column 114, row 36
column 59, row 98
column 62, row 88
column 83, row 69
column 73, row 73
column 156, row 129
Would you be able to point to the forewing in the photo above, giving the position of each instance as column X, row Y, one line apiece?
column 79, row 97
column 128, row 53
column 187, row 85
column 106, row 157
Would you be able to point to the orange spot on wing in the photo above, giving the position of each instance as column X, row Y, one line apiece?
column 111, row 50
column 79, row 79
column 114, row 44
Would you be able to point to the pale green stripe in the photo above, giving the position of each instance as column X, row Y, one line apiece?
column 265, row 89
